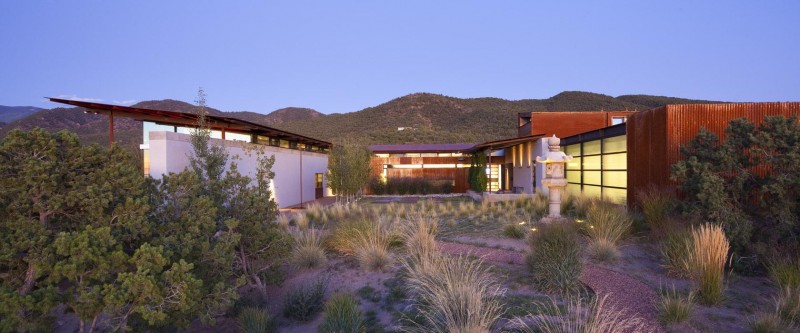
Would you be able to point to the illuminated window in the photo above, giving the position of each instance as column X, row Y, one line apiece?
column 599, row 168
column 618, row 120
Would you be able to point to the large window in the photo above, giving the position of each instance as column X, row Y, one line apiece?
column 599, row 168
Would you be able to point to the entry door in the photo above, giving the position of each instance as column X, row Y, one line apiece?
column 318, row 186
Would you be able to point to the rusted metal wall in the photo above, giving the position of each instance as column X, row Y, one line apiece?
column 655, row 136
column 564, row 124
column 458, row 175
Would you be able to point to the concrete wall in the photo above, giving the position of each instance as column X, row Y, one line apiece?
column 540, row 148
column 169, row 152
column 523, row 156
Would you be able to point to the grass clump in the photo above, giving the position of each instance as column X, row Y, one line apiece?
column 606, row 225
column 256, row 320
column 675, row 250
column 514, row 231
column 675, row 308
column 767, row 323
column 706, row 262
column 787, row 306
column 371, row 246
column 303, row 302
column 555, row 257
column 307, row 251
column 655, row 204
column 342, row 315
column 581, row 316
column 785, row 272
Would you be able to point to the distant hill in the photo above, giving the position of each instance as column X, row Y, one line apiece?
column 434, row 118
column 11, row 113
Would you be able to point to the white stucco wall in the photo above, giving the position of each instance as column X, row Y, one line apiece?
column 540, row 148
column 169, row 152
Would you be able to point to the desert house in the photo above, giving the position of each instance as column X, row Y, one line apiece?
column 300, row 165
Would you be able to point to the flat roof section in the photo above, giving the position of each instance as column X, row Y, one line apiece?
column 175, row 118
column 422, row 148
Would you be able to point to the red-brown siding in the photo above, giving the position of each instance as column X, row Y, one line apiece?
column 655, row 136
column 564, row 124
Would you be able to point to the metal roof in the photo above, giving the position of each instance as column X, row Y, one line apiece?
column 422, row 148
column 175, row 118
column 505, row 143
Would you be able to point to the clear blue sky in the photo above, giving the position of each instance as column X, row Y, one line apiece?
column 342, row 56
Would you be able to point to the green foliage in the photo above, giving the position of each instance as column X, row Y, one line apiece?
column 675, row 308
column 349, row 168
column 304, row 301
column 605, row 225
column 477, row 172
column 405, row 186
column 785, row 272
column 256, row 320
column 675, row 249
column 307, row 250
column 656, row 204
column 555, row 257
column 767, row 323
column 342, row 315
column 721, row 180
column 514, row 231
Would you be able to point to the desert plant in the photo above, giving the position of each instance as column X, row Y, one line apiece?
column 675, row 308
column 514, row 230
column 419, row 235
column 675, row 249
column 303, row 302
column 344, row 234
column 706, row 262
column 767, row 323
column 342, row 315
column 555, row 257
column 370, row 245
column 580, row 316
column 785, row 272
column 787, row 306
column 452, row 294
column 283, row 221
column 655, row 204
column 606, row 225
column 256, row 320
column 307, row 250
column 301, row 221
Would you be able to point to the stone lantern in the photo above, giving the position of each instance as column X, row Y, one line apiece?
column 554, row 180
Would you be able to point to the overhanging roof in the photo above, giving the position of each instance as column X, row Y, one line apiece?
column 505, row 143
column 175, row 118
column 422, row 148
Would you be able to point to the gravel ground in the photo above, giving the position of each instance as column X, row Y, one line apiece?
column 624, row 292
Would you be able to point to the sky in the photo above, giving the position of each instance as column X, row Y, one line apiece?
column 343, row 56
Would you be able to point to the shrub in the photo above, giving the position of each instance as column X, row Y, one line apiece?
column 342, row 315
column 606, row 225
column 344, row 234
column 595, row 316
column 307, row 251
column 256, row 320
column 675, row 250
column 675, row 308
column 303, row 302
column 514, row 230
column 655, row 204
column 371, row 245
column 767, row 323
column 419, row 235
column 452, row 294
column 785, row 272
column 706, row 262
column 555, row 257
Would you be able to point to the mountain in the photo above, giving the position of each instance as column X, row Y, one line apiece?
column 11, row 113
column 432, row 118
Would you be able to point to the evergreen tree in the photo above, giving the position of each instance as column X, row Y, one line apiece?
column 477, row 172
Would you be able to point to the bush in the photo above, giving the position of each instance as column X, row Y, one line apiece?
column 675, row 308
column 706, row 262
column 595, row 316
column 307, row 251
column 344, row 234
column 410, row 185
column 555, row 257
column 656, row 204
column 787, row 306
column 606, row 225
column 514, row 230
column 256, row 320
column 370, row 245
column 303, row 302
column 767, row 323
column 342, row 315
column 452, row 294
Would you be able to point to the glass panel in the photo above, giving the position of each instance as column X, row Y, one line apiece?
column 591, row 162
column 617, row 120
column 284, row 144
column 575, row 164
column 615, row 161
column 574, row 150
column 148, row 127
column 427, row 155
column 615, row 144
column 591, row 191
column 412, row 155
column 615, row 178
column 146, row 161
column 382, row 155
column 445, row 154
column 573, row 189
column 591, row 177
column 216, row 134
column 615, row 195
column 574, row 176
column 591, row 147
column 237, row 137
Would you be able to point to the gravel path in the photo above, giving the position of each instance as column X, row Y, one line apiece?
column 623, row 291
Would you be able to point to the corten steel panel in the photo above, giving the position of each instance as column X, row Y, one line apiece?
column 656, row 136
column 564, row 124
column 524, row 130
